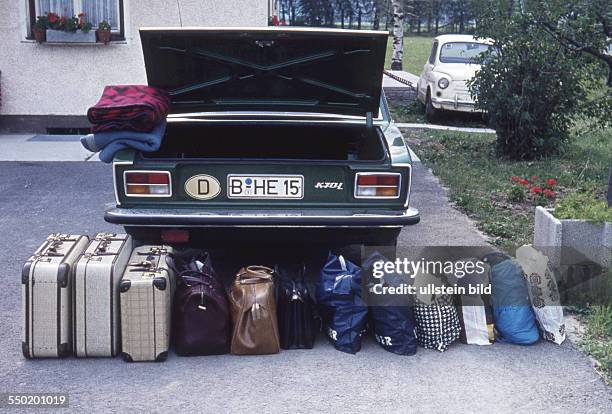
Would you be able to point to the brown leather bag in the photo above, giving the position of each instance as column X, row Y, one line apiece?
column 253, row 310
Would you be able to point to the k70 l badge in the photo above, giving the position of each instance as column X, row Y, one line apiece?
column 329, row 185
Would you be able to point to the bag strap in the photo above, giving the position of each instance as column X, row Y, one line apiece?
column 254, row 274
column 342, row 263
column 192, row 277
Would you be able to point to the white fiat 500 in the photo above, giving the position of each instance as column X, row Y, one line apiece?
column 443, row 82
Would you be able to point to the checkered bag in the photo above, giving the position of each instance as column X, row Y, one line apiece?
column 437, row 323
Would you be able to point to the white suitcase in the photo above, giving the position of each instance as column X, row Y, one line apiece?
column 146, row 301
column 46, row 296
column 96, row 295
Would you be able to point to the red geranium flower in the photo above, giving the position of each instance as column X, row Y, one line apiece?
column 52, row 17
column 534, row 177
column 551, row 182
column 536, row 190
column 515, row 179
column 522, row 181
column 549, row 193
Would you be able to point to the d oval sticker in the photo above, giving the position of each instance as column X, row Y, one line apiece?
column 202, row 187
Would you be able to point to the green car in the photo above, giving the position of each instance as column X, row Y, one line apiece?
column 274, row 134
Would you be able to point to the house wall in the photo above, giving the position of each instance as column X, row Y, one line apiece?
column 66, row 79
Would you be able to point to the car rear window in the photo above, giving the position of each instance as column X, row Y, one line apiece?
column 461, row 52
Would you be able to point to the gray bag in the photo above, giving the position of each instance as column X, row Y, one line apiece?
column 146, row 292
column 46, row 296
column 97, row 276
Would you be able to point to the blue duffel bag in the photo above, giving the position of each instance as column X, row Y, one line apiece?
column 342, row 309
column 515, row 321
column 391, row 316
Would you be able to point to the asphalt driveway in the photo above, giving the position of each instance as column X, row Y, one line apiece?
column 40, row 198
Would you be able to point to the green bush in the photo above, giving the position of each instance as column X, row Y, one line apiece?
column 530, row 87
column 583, row 206
column 516, row 195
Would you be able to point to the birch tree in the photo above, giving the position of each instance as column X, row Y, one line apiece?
column 398, row 35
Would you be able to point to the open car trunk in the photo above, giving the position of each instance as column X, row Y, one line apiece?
column 271, row 141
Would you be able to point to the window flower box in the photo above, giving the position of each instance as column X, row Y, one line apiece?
column 570, row 242
column 79, row 36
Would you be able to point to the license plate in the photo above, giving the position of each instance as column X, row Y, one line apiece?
column 265, row 186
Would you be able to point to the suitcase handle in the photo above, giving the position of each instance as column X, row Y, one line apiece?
column 106, row 236
column 138, row 266
column 102, row 246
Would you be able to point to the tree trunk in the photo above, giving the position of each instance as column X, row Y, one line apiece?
column 398, row 36
column 387, row 15
column 376, row 20
column 359, row 18
column 437, row 25
column 291, row 12
column 610, row 189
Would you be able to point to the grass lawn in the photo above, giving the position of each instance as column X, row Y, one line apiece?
column 479, row 181
column 416, row 53
column 597, row 340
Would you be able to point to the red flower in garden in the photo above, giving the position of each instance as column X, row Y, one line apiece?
column 52, row 17
column 551, row 182
column 536, row 190
column 522, row 181
column 534, row 177
column 275, row 21
column 515, row 179
column 549, row 193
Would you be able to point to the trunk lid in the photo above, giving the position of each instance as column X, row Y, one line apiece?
column 267, row 69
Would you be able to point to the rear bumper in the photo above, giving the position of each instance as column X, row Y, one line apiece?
column 289, row 218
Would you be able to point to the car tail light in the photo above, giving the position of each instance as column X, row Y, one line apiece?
column 377, row 185
column 147, row 184
column 175, row 236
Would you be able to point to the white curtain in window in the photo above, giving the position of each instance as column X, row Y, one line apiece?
column 61, row 7
column 98, row 10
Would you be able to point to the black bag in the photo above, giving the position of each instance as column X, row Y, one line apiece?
column 391, row 316
column 343, row 311
column 295, row 308
column 201, row 323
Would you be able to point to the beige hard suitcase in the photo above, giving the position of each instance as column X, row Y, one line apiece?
column 97, row 275
column 146, row 301
column 46, row 296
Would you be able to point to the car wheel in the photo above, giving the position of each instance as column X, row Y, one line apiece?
column 420, row 106
column 430, row 112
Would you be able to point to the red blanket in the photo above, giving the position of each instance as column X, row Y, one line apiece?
column 129, row 107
